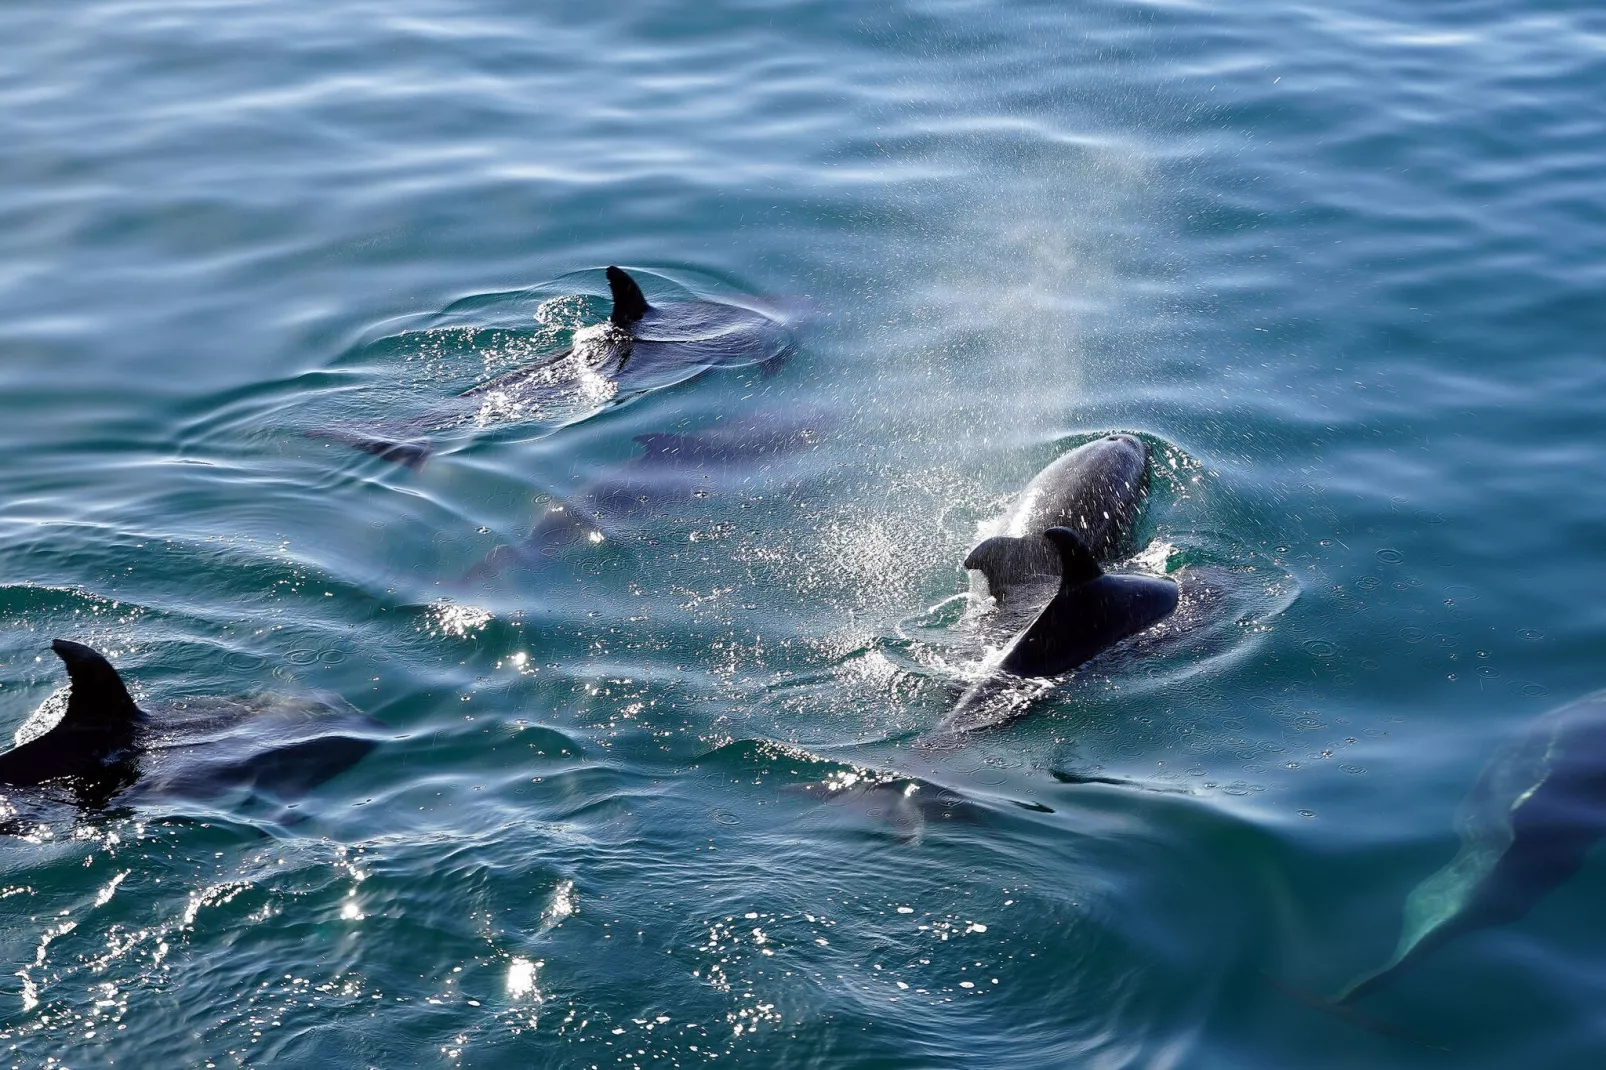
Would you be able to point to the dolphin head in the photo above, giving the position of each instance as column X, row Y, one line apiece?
column 1098, row 489
column 1128, row 443
column 1123, row 460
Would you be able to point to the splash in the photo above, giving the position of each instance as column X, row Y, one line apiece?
column 452, row 619
column 561, row 907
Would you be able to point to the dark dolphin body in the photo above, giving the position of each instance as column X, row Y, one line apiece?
column 104, row 744
column 1092, row 611
column 640, row 347
column 1533, row 815
column 1096, row 490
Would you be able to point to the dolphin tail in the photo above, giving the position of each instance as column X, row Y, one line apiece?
column 629, row 303
column 410, row 453
column 98, row 698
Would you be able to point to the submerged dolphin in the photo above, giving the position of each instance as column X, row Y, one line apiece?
column 675, row 469
column 103, row 743
column 1096, row 490
column 1533, row 815
column 639, row 347
column 1092, row 611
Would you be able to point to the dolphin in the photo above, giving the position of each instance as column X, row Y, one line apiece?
column 1092, row 611
column 638, row 348
column 1532, row 816
column 104, row 743
column 673, row 471
column 908, row 804
column 1096, row 490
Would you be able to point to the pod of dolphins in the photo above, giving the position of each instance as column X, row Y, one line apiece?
column 1526, row 827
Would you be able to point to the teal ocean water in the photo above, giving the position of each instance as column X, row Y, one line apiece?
column 644, row 800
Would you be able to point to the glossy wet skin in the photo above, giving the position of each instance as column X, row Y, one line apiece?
column 1091, row 612
column 95, row 738
column 1096, row 490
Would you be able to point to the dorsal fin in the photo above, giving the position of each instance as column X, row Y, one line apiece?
column 1077, row 564
column 98, row 698
column 629, row 303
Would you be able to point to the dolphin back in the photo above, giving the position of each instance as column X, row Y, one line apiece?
column 1096, row 490
column 1091, row 612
